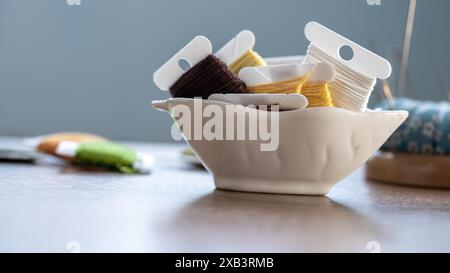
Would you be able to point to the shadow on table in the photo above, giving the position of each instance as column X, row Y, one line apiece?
column 93, row 170
column 233, row 221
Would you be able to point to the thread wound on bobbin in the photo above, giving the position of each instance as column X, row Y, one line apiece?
column 207, row 77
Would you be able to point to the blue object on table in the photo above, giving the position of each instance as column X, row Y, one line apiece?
column 426, row 131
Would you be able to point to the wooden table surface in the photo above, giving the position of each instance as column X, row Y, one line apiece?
column 57, row 208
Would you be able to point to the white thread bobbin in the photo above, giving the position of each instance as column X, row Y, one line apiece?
column 355, row 78
column 236, row 47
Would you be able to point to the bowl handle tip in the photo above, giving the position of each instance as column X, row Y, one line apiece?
column 162, row 105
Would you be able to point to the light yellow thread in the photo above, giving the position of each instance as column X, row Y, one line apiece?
column 249, row 58
column 284, row 87
column 318, row 94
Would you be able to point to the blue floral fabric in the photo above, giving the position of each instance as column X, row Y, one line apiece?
column 426, row 131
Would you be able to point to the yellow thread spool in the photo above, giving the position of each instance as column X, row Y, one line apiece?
column 249, row 58
column 284, row 87
column 318, row 94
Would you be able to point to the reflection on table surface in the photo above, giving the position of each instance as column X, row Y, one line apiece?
column 51, row 207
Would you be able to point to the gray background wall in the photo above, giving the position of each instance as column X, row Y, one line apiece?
column 89, row 67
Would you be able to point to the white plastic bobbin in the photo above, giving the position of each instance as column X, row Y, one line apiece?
column 363, row 61
column 285, row 102
column 322, row 72
column 195, row 51
column 67, row 148
column 254, row 76
column 236, row 47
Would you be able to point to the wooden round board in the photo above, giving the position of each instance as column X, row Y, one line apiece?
column 406, row 169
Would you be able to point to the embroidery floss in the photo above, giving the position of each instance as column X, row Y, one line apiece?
column 285, row 87
column 309, row 80
column 356, row 76
column 207, row 77
column 250, row 58
column 106, row 154
column 238, row 52
column 48, row 144
column 318, row 94
column 350, row 90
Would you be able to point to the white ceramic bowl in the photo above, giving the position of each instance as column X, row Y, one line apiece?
column 318, row 147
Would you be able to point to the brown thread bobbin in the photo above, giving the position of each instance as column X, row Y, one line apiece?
column 207, row 77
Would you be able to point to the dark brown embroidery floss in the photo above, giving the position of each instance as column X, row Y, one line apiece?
column 207, row 77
